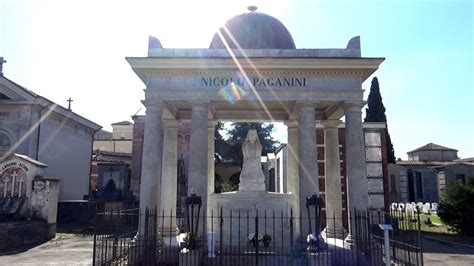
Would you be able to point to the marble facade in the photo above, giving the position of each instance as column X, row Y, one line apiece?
column 295, row 86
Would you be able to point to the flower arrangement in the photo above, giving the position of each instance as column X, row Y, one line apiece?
column 314, row 242
column 187, row 241
column 253, row 239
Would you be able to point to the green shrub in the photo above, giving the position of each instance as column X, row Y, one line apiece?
column 456, row 207
column 228, row 186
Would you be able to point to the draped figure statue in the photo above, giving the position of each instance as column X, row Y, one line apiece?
column 251, row 176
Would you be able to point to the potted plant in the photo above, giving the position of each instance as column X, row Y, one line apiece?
column 266, row 240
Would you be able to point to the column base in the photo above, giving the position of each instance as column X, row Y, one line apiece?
column 169, row 235
column 350, row 241
column 252, row 186
column 339, row 233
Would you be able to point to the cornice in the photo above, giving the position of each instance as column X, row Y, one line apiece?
column 178, row 72
column 274, row 63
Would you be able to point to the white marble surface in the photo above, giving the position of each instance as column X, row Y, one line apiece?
column 251, row 177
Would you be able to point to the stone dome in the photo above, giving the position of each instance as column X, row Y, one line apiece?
column 254, row 30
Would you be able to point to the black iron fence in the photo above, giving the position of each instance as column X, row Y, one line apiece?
column 233, row 237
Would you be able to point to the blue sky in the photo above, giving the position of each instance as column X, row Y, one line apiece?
column 62, row 49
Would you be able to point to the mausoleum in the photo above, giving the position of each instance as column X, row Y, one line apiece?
column 252, row 71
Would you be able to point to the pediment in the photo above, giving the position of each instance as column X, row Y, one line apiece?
column 10, row 91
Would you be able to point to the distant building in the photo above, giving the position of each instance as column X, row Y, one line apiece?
column 426, row 174
column 110, row 176
column 119, row 140
column 433, row 152
column 376, row 158
column 111, row 163
column 44, row 131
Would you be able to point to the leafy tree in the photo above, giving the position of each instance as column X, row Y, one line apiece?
column 375, row 112
column 455, row 208
column 237, row 135
column 221, row 146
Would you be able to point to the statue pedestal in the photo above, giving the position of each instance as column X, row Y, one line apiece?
column 242, row 203
column 251, row 187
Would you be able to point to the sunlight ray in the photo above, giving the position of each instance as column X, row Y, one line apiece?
column 252, row 65
column 47, row 142
column 304, row 169
column 35, row 126
column 242, row 71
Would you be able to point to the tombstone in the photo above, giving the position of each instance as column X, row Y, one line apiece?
column 394, row 206
column 19, row 200
column 401, row 207
column 251, row 197
column 410, row 210
column 434, row 207
column 426, row 208
column 16, row 178
column 420, row 205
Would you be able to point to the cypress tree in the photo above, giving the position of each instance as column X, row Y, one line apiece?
column 375, row 112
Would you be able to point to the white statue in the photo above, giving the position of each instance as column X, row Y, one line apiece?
column 251, row 177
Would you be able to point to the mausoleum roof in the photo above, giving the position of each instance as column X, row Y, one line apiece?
column 253, row 30
column 432, row 147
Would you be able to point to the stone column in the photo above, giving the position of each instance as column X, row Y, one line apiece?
column 307, row 155
column 169, row 176
column 151, row 162
column 333, row 195
column 210, row 163
column 198, row 151
column 292, row 167
column 356, row 168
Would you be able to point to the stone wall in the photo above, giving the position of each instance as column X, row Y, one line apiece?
column 16, row 234
column 44, row 202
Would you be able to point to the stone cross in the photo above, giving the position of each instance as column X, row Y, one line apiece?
column 20, row 181
column 69, row 103
column 1, row 65
column 14, row 176
column 6, row 180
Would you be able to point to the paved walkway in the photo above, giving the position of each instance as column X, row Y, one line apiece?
column 77, row 250
column 442, row 253
column 62, row 250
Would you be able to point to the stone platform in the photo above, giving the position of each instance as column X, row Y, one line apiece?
column 247, row 205
column 15, row 234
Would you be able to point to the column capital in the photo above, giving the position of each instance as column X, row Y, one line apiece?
column 199, row 104
column 304, row 104
column 330, row 123
column 353, row 106
column 171, row 123
column 292, row 124
column 151, row 104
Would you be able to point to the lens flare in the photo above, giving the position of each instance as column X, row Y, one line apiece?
column 232, row 93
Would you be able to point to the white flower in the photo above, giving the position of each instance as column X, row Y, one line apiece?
column 311, row 238
column 252, row 237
